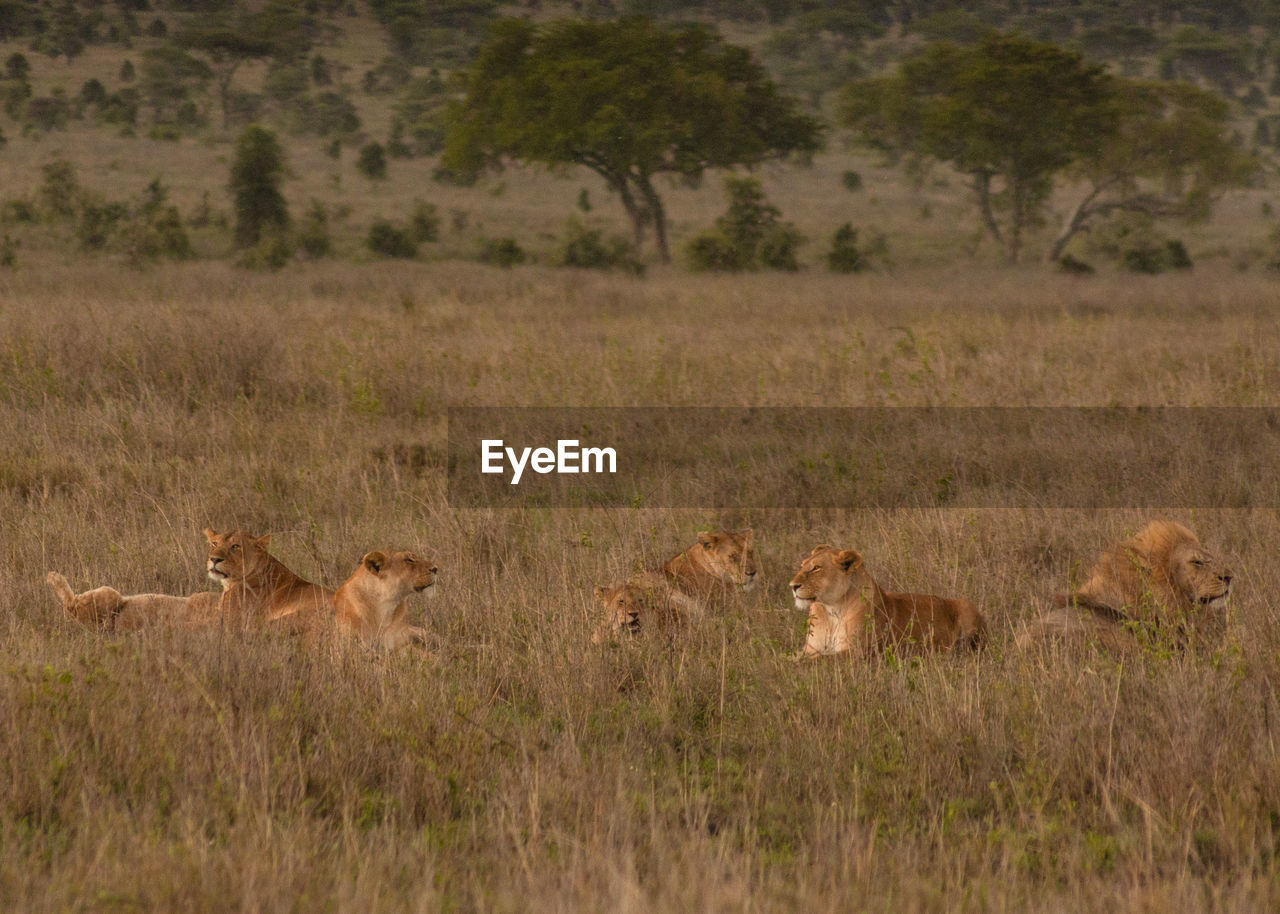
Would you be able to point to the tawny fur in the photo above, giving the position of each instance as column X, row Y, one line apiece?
column 258, row 587
column 642, row 604
column 370, row 605
column 848, row 611
column 1159, row 579
column 719, row 563
column 107, row 608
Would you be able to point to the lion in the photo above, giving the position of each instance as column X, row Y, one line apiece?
column 370, row 605
column 107, row 608
column 848, row 611
column 644, row 603
column 1159, row 579
column 719, row 563
column 258, row 588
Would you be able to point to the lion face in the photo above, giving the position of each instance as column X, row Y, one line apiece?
column 400, row 574
column 829, row 576
column 622, row 607
column 1201, row 577
column 235, row 556
column 730, row 556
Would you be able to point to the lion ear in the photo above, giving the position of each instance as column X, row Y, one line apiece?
column 374, row 561
column 707, row 538
column 748, row 535
column 818, row 549
column 209, row 534
column 599, row 591
column 848, row 559
column 264, row 540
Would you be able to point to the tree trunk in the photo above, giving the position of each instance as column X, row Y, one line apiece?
column 635, row 212
column 982, row 188
column 657, row 214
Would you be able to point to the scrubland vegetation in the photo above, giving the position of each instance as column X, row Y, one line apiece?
column 157, row 377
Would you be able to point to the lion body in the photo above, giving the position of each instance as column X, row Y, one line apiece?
column 107, row 608
column 643, row 604
column 1159, row 578
column 370, row 605
column 258, row 588
column 719, row 563
column 848, row 611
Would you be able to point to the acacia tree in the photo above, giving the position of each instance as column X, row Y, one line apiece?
column 1008, row 112
column 630, row 100
column 1172, row 154
column 276, row 31
column 256, row 174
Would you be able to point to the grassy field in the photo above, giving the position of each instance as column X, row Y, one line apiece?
column 519, row 767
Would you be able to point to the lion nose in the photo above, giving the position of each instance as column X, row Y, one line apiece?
column 435, row 570
column 1225, row 578
column 795, row 588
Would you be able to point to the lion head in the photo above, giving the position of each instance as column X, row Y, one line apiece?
column 400, row 574
column 730, row 556
column 831, row 576
column 622, row 607
column 236, row 556
column 1161, row 569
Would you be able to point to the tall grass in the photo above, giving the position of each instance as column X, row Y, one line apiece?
column 519, row 767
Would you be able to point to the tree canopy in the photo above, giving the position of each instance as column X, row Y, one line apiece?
column 630, row 100
column 1008, row 112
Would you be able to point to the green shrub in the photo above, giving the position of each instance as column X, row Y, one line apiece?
column 778, row 246
column 851, row 180
column 710, row 251
column 313, row 231
column 501, row 252
column 97, row 220
column 390, row 241
column 60, row 190
column 1074, row 267
column 272, row 251
column 424, row 224
column 845, row 256
column 372, row 161
column 587, row 248
column 256, row 173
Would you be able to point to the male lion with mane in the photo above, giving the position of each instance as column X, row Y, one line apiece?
column 848, row 611
column 1159, row 579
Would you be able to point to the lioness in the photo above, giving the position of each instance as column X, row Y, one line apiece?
column 848, row 610
column 370, row 605
column 719, row 563
column 643, row 603
column 1159, row 579
column 257, row 586
column 106, row 607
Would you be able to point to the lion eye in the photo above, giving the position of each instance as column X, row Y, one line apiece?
column 408, row 561
column 235, row 547
column 1199, row 563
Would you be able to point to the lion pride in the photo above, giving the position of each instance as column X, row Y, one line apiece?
column 1161, row 579
column 370, row 604
column 258, row 588
column 849, row 611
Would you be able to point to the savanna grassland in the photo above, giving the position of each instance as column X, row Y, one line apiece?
column 516, row 766
column 520, row 767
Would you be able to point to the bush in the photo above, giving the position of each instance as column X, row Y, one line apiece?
column 588, row 249
column 331, row 114
column 424, row 225
column 127, row 72
column 256, row 174
column 501, row 252
column 273, row 251
column 845, row 256
column 50, row 112
column 748, row 235
column 778, row 246
column 313, row 231
column 1176, row 255
column 372, row 161
column 390, row 241
column 16, row 66
column 97, row 220
column 1074, row 267
column 59, row 190
column 710, row 251
column 851, row 180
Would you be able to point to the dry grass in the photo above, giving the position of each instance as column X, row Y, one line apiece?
column 523, row 768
